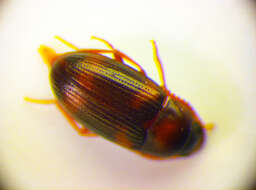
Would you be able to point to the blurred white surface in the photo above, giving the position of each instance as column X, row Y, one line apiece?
column 208, row 51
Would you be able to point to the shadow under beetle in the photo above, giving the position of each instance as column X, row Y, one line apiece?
column 109, row 98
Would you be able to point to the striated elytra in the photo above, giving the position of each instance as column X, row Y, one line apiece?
column 109, row 98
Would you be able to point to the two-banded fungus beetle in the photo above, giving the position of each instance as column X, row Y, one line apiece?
column 109, row 98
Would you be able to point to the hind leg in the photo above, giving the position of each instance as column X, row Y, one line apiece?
column 81, row 131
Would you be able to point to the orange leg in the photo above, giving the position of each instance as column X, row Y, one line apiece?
column 117, row 54
column 81, row 131
column 110, row 46
column 67, row 43
column 159, row 66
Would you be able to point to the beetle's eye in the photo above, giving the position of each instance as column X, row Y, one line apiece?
column 195, row 139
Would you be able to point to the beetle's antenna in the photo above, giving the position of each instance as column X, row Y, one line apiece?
column 158, row 64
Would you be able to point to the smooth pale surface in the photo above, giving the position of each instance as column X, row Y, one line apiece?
column 208, row 51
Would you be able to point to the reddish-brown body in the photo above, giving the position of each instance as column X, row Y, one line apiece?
column 122, row 104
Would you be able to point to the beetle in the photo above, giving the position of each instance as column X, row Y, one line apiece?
column 105, row 96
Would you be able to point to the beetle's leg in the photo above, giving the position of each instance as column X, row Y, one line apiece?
column 81, row 131
column 132, row 62
column 110, row 46
column 159, row 65
column 111, row 52
column 40, row 101
column 67, row 43
column 118, row 55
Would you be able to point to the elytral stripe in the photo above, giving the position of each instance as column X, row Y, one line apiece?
column 117, row 77
column 85, row 72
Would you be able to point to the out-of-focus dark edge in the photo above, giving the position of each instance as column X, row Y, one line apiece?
column 2, row 186
column 2, row 4
column 252, row 186
column 2, row 7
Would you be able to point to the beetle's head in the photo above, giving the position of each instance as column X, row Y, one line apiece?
column 176, row 131
column 192, row 124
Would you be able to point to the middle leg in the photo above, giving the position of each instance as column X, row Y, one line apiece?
column 118, row 55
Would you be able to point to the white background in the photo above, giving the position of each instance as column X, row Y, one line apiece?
column 208, row 51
